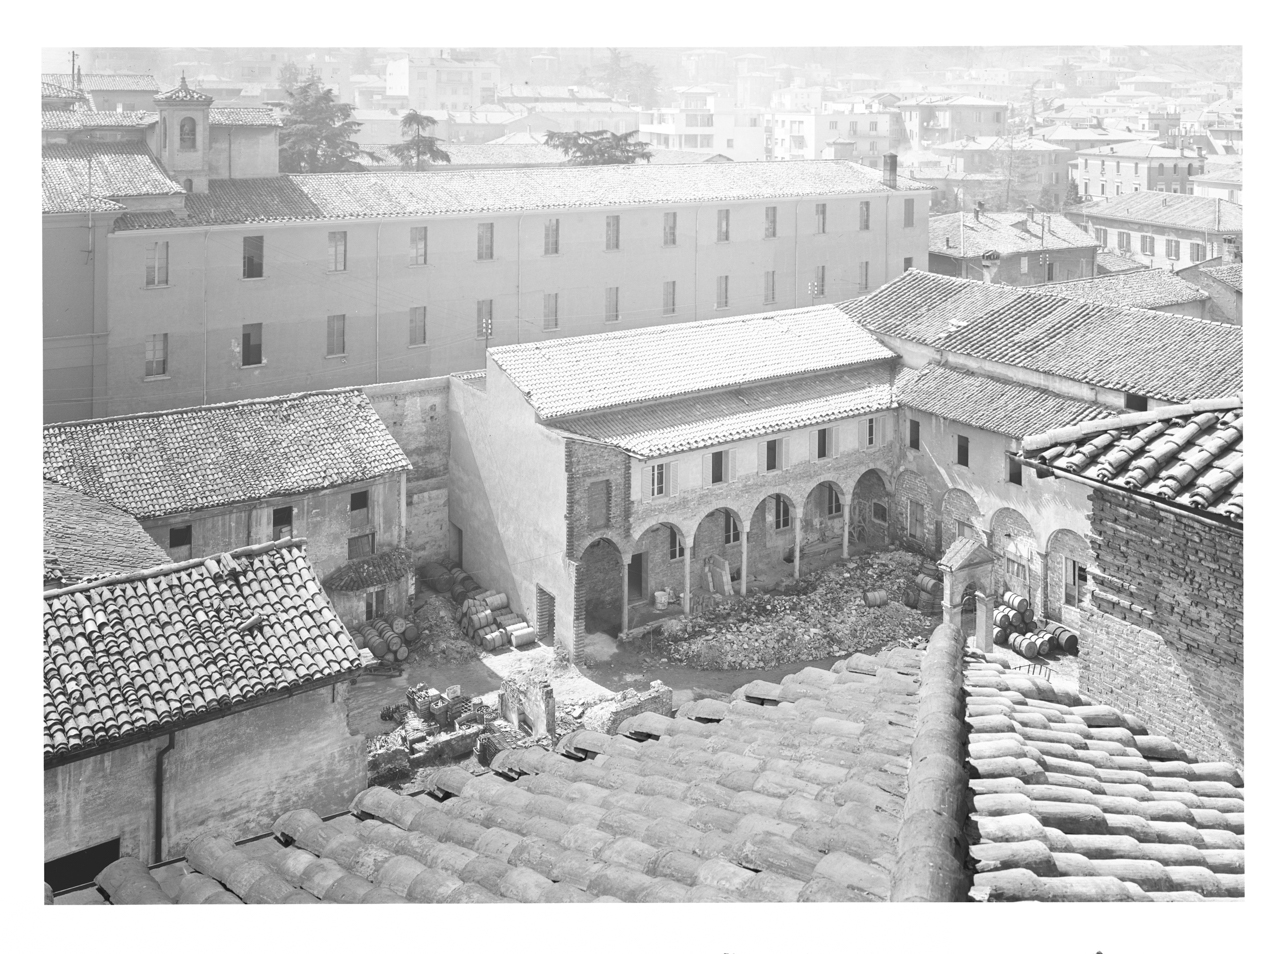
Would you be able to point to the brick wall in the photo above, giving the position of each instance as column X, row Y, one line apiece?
column 1165, row 629
column 586, row 464
column 912, row 487
column 1011, row 535
column 601, row 571
column 607, row 716
column 1064, row 545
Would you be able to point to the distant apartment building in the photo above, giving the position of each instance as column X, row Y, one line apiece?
column 1034, row 248
column 708, row 124
column 936, row 119
column 1026, row 170
column 438, row 83
column 1129, row 167
column 1220, row 182
column 1165, row 230
column 109, row 91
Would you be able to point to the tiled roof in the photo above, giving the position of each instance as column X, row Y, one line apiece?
column 1172, row 209
column 380, row 569
column 72, row 119
column 662, row 157
column 593, row 372
column 1000, row 406
column 1009, row 233
column 106, row 82
column 1230, row 175
column 1147, row 288
column 1111, row 263
column 1190, row 454
column 130, row 655
column 50, row 90
column 1232, row 275
column 719, row 417
column 503, row 154
column 1168, row 357
column 182, row 93
column 242, row 116
column 85, row 537
column 84, row 176
column 997, row 144
column 338, row 195
column 1078, row 802
column 1141, row 149
column 193, row 458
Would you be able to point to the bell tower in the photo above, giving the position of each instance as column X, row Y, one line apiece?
column 183, row 135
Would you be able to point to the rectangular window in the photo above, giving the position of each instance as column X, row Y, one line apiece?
column 418, row 245
column 879, row 512
column 770, row 287
column 281, row 523
column 781, row 512
column 612, row 232
column 1135, row 402
column 418, row 325
column 772, row 453
column 551, row 237
column 825, row 443
column 1148, row 245
column 907, row 263
column 251, row 345
column 668, row 229
column 375, row 603
column 913, row 435
column 870, row 432
column 611, row 303
column 962, row 451
column 722, row 225
column 337, row 251
column 1101, row 235
column 833, row 505
column 359, row 508
column 484, row 318
column 598, row 503
column 1014, row 569
column 722, row 291
column 1049, row 271
column 1172, row 249
column 1197, row 251
column 908, row 213
column 337, row 339
column 732, row 529
column 180, row 542
column 820, row 217
column 1022, row 265
column 864, row 216
column 915, row 519
column 770, row 221
column 668, row 298
column 864, row 276
column 1015, row 471
column 819, row 281
column 1074, row 578
column 361, row 546
column 157, row 264
column 853, row 127
column 253, row 256
column 1122, row 241
column 873, row 126
column 484, row 242
column 658, row 480
column 550, row 311
column 157, row 356
column 719, row 468
column 675, row 546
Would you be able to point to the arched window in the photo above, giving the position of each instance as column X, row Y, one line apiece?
column 186, row 185
column 1160, row 169
column 187, row 135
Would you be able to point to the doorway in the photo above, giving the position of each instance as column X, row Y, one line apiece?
column 635, row 578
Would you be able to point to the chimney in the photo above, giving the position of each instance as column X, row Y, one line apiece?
column 890, row 176
column 1031, row 213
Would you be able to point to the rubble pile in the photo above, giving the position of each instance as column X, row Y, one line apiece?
column 822, row 615
column 442, row 637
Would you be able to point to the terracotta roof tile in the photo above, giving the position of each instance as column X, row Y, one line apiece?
column 1110, row 262
column 1169, row 208
column 384, row 567
column 148, row 650
column 72, row 119
column 1009, row 233
column 1145, row 288
column 1164, row 356
column 86, row 176
column 106, row 82
column 574, row 375
column 1230, row 275
column 192, row 458
column 242, row 116
column 85, row 537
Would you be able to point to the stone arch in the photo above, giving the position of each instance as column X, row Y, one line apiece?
column 660, row 566
column 717, row 537
column 916, row 513
column 961, row 516
column 618, row 540
column 187, row 134
column 1017, row 548
column 1067, row 578
column 600, row 569
column 824, row 513
column 770, row 546
column 870, row 511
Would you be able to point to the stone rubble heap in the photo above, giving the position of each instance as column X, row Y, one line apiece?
column 442, row 637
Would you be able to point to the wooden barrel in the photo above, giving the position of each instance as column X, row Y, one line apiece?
column 402, row 654
column 411, row 634
column 1003, row 616
column 523, row 638
column 875, row 597
column 910, row 596
column 398, row 623
column 497, row 601
column 928, row 584
column 358, row 638
column 394, row 642
column 1000, row 636
column 377, row 645
column 1029, row 616
column 1025, row 645
column 1066, row 640
column 1015, row 600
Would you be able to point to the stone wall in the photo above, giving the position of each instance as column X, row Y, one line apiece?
column 607, row 716
column 1164, row 631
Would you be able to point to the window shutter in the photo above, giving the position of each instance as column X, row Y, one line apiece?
column 648, row 480
column 848, row 440
column 833, row 447
column 731, row 464
column 813, row 445
column 673, row 484
column 762, row 456
column 706, row 470
column 786, row 454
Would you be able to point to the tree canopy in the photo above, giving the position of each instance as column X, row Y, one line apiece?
column 600, row 148
column 317, row 131
column 418, row 146
column 623, row 79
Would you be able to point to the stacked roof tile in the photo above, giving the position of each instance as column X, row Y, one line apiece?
column 1143, row 149
column 242, row 116
column 1191, row 455
column 73, row 119
column 193, row 458
column 1147, row 288
column 467, row 191
column 1164, row 356
column 572, row 375
column 1009, row 233
column 49, row 90
column 87, row 176
column 717, row 417
column 133, row 654
column 1078, row 802
column 84, row 537
column 106, row 82
column 1169, row 208
column 382, row 568
column 1230, row 275
column 993, row 405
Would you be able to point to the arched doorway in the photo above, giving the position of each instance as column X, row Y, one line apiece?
column 1067, row 559
column 870, row 527
column 601, row 569
column 771, row 540
column 657, row 563
column 717, row 547
column 824, row 517
column 1014, row 542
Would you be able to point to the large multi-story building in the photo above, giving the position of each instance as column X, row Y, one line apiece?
column 1126, row 167
column 435, row 82
column 1023, row 169
column 1165, row 230
column 935, row 119
column 255, row 287
column 705, row 123
column 1034, row 248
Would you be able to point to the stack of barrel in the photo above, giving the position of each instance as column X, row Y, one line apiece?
column 1016, row 618
column 929, row 585
column 489, row 622
column 1058, row 637
column 387, row 639
column 437, row 576
column 464, row 585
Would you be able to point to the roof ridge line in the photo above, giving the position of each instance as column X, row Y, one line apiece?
column 165, row 569
column 138, row 415
column 1036, row 442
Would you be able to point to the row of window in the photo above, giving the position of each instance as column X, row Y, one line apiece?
column 1102, row 164
column 1137, row 187
column 1013, row 472
column 359, row 545
column 872, row 126
column 1147, row 245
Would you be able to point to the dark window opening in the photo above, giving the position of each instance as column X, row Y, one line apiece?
column 824, row 445
column 187, row 134
column 879, row 512
column 253, row 256
column 281, row 523
column 717, row 467
column 675, row 547
column 834, row 506
column 80, row 867
column 375, row 604
column 913, row 438
column 771, row 455
column 360, row 508
column 781, row 513
column 251, row 345
column 1135, row 402
column 962, row 451
column 180, row 538
column 1015, row 471
column 361, row 546
column 732, row 531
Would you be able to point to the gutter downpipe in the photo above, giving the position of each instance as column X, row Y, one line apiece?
column 156, row 851
column 377, row 322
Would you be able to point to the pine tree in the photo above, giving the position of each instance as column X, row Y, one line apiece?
column 317, row 131
column 418, row 146
column 600, row 148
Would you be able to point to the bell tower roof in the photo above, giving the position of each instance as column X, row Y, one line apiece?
column 182, row 93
